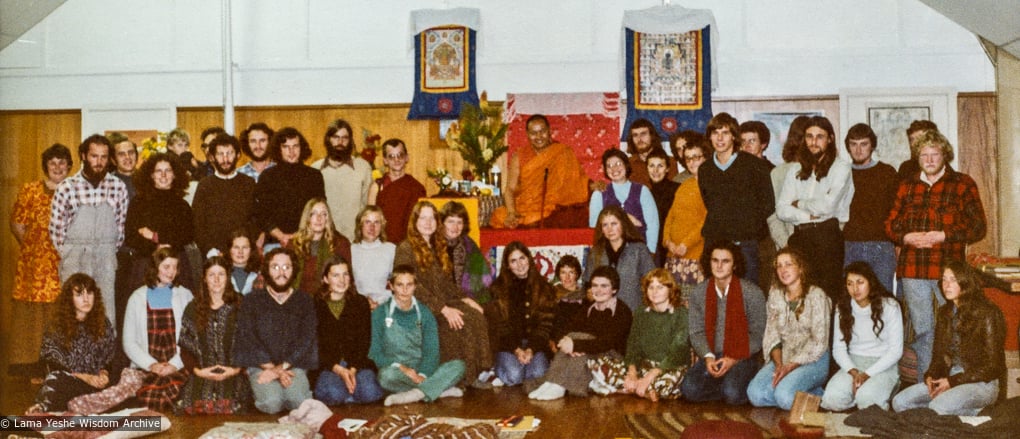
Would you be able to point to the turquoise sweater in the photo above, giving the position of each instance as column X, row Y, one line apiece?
column 384, row 355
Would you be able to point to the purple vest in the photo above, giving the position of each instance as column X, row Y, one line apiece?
column 631, row 205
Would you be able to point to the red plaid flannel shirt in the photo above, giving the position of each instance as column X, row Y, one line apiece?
column 951, row 205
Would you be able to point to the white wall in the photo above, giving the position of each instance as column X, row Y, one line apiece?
column 307, row 52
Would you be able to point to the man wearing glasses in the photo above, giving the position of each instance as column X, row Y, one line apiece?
column 275, row 338
column 397, row 191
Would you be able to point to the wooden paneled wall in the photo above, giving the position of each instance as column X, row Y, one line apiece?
column 25, row 134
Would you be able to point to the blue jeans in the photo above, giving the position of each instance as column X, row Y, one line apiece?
column 271, row 397
column 331, row 389
column 699, row 386
column 963, row 400
column 806, row 378
column 511, row 372
column 880, row 255
column 917, row 295
column 749, row 248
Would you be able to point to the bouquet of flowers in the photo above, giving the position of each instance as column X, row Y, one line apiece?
column 441, row 177
column 479, row 135
column 152, row 145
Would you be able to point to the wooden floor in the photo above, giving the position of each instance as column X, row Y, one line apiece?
column 593, row 417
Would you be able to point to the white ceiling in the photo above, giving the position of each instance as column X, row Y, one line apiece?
column 18, row 16
column 997, row 21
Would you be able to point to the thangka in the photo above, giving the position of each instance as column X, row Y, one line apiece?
column 444, row 63
column 668, row 68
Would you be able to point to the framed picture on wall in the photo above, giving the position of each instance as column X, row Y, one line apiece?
column 890, row 111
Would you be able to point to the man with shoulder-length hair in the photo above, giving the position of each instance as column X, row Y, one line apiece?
column 726, row 318
column 875, row 186
column 815, row 198
column 283, row 190
column 87, row 219
column 255, row 144
column 737, row 192
column 275, row 336
column 937, row 212
column 347, row 176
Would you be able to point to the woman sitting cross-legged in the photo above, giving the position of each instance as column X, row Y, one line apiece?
column 77, row 347
column 345, row 332
column 600, row 329
column 658, row 350
column 405, row 346
column 968, row 362
column 216, row 385
column 796, row 341
column 866, row 345
column 152, row 326
column 520, row 316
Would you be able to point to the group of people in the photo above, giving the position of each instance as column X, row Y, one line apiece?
column 276, row 282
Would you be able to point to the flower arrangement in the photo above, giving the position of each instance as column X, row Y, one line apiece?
column 152, row 145
column 442, row 178
column 479, row 135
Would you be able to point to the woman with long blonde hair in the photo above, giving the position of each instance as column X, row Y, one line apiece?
column 315, row 241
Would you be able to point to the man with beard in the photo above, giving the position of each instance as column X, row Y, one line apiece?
column 224, row 201
column 936, row 214
column 875, row 186
column 346, row 176
column 283, row 190
column 815, row 198
column 87, row 219
column 255, row 144
column 643, row 139
column 275, row 337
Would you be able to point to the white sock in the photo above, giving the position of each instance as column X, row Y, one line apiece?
column 548, row 392
column 413, row 395
column 452, row 392
column 497, row 382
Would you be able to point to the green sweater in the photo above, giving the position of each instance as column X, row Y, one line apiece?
column 659, row 337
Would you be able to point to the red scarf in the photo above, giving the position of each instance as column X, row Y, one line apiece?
column 735, row 340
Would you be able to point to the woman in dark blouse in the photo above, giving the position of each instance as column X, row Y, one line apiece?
column 77, row 347
column 159, row 217
column 216, row 386
column 346, row 375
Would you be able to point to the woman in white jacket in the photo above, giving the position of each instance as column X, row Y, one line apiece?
column 867, row 343
column 154, row 312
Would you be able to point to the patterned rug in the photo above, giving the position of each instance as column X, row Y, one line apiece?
column 672, row 424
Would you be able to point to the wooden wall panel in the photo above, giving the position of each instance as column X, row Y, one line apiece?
column 23, row 138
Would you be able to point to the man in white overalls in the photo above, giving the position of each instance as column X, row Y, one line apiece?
column 87, row 222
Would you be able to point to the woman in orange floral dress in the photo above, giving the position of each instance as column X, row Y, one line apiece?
column 36, row 282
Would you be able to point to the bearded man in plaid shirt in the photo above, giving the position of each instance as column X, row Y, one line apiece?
column 87, row 219
column 937, row 212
